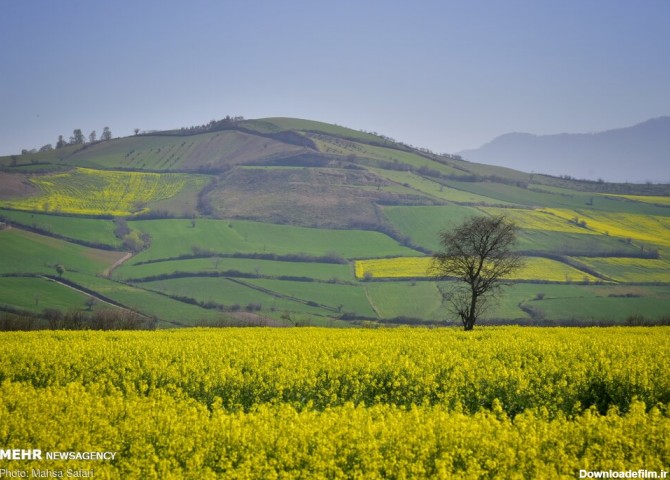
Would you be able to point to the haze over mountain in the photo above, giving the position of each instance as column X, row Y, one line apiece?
column 637, row 154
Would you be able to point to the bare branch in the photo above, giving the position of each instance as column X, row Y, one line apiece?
column 479, row 255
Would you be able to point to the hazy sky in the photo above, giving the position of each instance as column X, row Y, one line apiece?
column 445, row 75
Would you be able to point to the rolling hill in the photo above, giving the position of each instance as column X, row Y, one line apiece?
column 289, row 221
column 639, row 153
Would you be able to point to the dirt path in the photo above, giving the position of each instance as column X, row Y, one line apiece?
column 372, row 304
column 116, row 265
column 89, row 293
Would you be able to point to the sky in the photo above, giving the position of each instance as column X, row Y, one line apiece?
column 443, row 75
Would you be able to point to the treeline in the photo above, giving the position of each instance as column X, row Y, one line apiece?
column 212, row 126
column 54, row 319
column 77, row 138
column 199, row 252
column 250, row 307
column 234, row 274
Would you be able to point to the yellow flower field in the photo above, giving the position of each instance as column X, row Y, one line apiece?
column 636, row 270
column 534, row 269
column 642, row 228
column 86, row 191
column 508, row 402
column 654, row 200
column 535, row 219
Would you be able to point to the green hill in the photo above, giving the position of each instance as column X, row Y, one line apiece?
column 265, row 219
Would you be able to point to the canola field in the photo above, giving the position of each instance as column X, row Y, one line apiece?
column 654, row 230
column 654, row 200
column 85, row 191
column 534, row 269
column 503, row 402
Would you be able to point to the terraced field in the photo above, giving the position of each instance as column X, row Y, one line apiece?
column 651, row 229
column 84, row 191
column 299, row 222
column 534, row 269
column 26, row 252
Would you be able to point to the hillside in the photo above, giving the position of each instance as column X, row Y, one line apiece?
column 634, row 154
column 289, row 221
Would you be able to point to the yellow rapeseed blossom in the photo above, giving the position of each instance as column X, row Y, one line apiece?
column 317, row 403
column 86, row 191
column 636, row 227
column 534, row 269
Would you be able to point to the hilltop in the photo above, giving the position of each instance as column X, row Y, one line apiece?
column 635, row 154
column 290, row 221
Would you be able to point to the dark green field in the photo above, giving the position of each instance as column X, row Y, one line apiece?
column 272, row 214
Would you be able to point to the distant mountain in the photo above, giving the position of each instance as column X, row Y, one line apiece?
column 636, row 154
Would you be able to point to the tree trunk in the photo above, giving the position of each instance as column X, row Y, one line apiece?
column 471, row 318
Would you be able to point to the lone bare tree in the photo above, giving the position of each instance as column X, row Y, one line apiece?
column 478, row 255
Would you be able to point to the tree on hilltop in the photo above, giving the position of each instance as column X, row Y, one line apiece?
column 77, row 137
column 106, row 134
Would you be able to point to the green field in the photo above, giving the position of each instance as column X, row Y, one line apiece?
column 170, row 312
column 265, row 268
column 36, row 294
column 25, row 252
column 276, row 212
column 282, row 124
column 433, row 188
column 232, row 294
column 423, row 224
column 171, row 238
column 83, row 229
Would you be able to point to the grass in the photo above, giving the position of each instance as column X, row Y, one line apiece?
column 557, row 302
column 171, row 238
column 212, row 150
column 85, row 229
column 36, row 294
column 379, row 155
column 406, row 299
column 584, row 302
column 317, row 271
column 604, row 308
column 26, row 252
column 424, row 223
column 281, row 124
column 274, row 296
column 229, row 293
column 341, row 298
column 541, row 196
column 541, row 230
column 172, row 312
column 432, row 188
column 586, row 243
